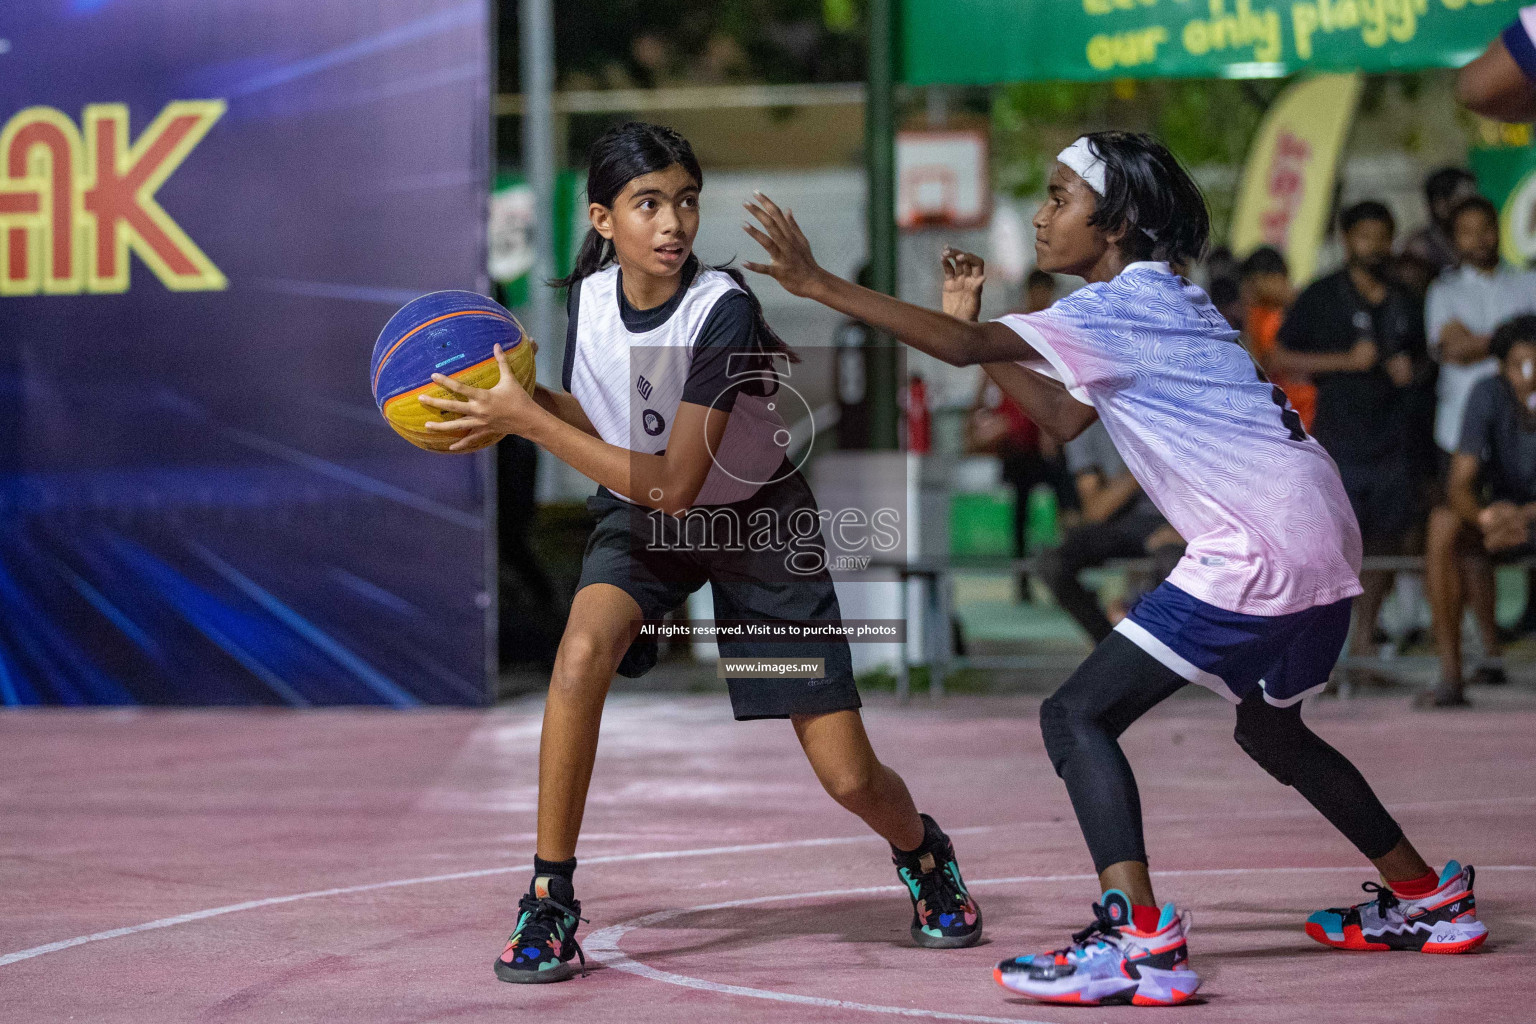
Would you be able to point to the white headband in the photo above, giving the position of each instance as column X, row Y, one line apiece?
column 1086, row 162
column 1084, row 159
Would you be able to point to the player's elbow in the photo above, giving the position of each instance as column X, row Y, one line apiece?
column 1477, row 88
column 675, row 498
column 677, row 506
column 965, row 344
column 1494, row 86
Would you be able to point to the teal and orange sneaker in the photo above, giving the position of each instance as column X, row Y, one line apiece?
column 1110, row 962
column 1444, row 921
column 543, row 944
column 943, row 914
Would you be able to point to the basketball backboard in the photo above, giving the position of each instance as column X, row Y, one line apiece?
column 942, row 179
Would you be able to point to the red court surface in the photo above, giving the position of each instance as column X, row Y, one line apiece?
column 356, row 866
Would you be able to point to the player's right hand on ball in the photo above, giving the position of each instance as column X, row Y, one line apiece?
column 793, row 265
column 964, row 274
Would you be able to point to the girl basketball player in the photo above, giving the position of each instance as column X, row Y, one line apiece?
column 1258, row 608
column 687, row 450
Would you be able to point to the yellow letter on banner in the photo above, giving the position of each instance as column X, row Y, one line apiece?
column 1288, row 179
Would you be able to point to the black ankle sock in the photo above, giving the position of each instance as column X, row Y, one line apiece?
column 554, row 868
column 934, row 841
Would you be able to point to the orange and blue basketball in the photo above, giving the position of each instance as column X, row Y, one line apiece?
column 448, row 332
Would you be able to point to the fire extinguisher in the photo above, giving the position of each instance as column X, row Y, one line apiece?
column 919, row 421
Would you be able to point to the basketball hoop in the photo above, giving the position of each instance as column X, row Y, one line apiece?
column 942, row 179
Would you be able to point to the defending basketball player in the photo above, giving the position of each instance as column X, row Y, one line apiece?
column 1257, row 610
column 655, row 414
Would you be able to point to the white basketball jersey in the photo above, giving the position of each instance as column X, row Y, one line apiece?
column 630, row 383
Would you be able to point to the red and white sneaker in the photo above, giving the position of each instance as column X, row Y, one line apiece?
column 1445, row 921
column 1110, row 962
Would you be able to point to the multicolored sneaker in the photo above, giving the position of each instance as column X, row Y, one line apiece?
column 544, row 941
column 1445, row 921
column 1110, row 962
column 943, row 914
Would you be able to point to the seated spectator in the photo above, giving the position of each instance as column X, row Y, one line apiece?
column 1360, row 337
column 1119, row 521
column 1462, row 310
column 1490, row 504
column 1265, row 280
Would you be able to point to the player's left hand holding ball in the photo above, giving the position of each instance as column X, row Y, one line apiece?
column 484, row 414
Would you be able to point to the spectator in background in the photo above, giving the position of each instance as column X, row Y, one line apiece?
column 1432, row 244
column 1463, row 308
column 1359, row 336
column 1039, row 291
column 1265, row 281
column 1219, row 263
column 1119, row 521
column 1490, row 506
column 1227, row 297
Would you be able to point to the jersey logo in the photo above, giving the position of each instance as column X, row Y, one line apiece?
column 644, row 387
column 652, row 421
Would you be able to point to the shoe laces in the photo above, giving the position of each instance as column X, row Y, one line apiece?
column 1103, row 927
column 1384, row 898
column 543, row 913
column 938, row 890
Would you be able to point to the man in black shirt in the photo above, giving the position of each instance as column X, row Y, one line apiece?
column 1360, row 337
column 1490, row 499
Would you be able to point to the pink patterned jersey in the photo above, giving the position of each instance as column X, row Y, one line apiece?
column 1219, row 451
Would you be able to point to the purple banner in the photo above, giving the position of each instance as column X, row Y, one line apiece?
column 207, row 212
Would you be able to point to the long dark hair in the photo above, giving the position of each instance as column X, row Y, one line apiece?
column 1149, row 192
column 623, row 154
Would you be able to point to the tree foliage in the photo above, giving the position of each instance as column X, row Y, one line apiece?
column 615, row 43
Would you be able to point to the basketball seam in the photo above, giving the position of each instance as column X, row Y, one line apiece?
column 421, row 327
column 386, row 403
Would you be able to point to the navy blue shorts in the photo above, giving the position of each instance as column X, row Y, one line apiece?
column 1287, row 657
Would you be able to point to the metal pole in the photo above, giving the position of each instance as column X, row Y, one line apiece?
column 536, row 45
column 880, row 171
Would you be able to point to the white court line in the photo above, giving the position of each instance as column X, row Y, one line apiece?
column 272, row 901
column 603, row 944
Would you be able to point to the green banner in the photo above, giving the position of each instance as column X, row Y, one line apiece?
column 1504, row 160
column 987, row 41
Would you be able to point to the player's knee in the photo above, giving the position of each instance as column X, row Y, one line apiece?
column 1270, row 742
column 853, row 786
column 1061, row 726
column 585, row 659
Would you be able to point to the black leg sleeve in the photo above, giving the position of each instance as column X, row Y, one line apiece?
column 1081, row 724
column 1282, row 744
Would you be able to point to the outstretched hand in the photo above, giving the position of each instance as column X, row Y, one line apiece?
column 964, row 274
column 793, row 265
column 484, row 413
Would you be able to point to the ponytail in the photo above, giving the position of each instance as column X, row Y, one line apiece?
column 593, row 256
